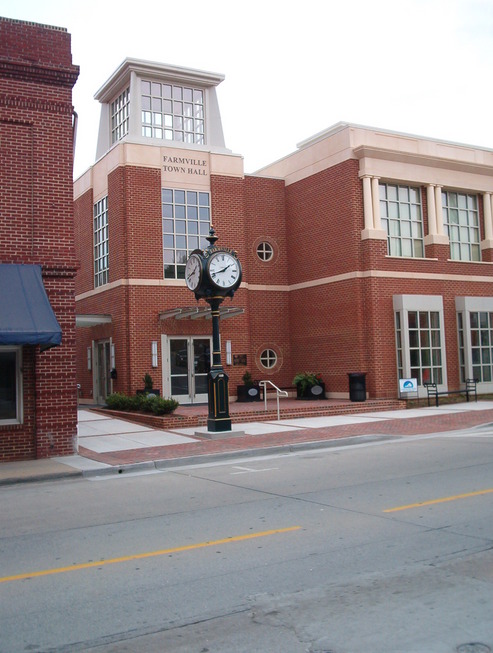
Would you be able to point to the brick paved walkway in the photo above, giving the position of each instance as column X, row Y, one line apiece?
column 444, row 419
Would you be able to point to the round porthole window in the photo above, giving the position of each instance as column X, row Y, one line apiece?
column 265, row 251
column 268, row 358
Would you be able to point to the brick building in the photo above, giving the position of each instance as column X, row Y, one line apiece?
column 363, row 251
column 38, row 399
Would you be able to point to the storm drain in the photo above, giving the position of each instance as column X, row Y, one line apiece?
column 473, row 647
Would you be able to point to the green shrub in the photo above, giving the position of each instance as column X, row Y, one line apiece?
column 307, row 380
column 161, row 406
column 141, row 403
column 118, row 401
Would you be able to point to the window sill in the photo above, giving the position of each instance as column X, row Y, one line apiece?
column 455, row 260
column 410, row 258
column 10, row 423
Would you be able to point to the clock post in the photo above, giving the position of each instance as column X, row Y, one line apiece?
column 214, row 274
column 217, row 379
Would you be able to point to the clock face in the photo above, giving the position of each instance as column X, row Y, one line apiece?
column 193, row 272
column 224, row 270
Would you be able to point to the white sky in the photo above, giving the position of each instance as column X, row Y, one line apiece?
column 294, row 68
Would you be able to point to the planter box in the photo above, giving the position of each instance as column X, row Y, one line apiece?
column 248, row 393
column 311, row 392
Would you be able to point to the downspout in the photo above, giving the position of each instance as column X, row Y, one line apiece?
column 35, row 401
column 75, row 122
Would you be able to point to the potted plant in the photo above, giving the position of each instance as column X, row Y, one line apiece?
column 148, row 386
column 309, row 386
column 249, row 391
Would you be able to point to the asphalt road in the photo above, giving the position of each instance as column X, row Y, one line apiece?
column 380, row 548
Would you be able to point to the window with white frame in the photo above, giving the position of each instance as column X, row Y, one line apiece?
column 119, row 116
column 399, row 345
column 265, row 251
column 462, row 347
column 268, row 358
column 461, row 222
column 481, row 325
column 425, row 351
column 420, row 341
column 186, row 223
column 172, row 112
column 101, row 243
column 10, row 385
column 402, row 217
column 475, row 335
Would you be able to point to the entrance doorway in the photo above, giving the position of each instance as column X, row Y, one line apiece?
column 102, row 378
column 189, row 362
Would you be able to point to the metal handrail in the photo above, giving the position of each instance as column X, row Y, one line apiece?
column 279, row 393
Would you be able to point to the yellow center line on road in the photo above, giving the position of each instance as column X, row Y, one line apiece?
column 442, row 500
column 149, row 554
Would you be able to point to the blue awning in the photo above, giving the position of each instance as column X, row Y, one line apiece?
column 26, row 316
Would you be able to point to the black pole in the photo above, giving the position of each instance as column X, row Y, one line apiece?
column 218, row 419
column 215, row 302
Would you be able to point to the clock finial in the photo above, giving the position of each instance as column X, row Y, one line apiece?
column 211, row 237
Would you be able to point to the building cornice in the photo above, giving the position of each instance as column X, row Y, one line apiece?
column 416, row 158
column 381, row 151
column 39, row 73
column 121, row 77
column 34, row 103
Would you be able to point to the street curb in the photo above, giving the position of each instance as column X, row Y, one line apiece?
column 201, row 459
column 204, row 459
column 118, row 470
column 39, row 478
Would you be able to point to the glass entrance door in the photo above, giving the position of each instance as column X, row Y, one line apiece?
column 189, row 364
column 102, row 378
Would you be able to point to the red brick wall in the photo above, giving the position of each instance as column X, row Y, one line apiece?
column 348, row 325
column 83, row 233
column 56, row 401
column 382, row 367
column 134, row 215
column 45, row 45
column 144, row 231
column 112, row 302
column 246, row 213
column 324, row 223
column 36, row 221
column 268, row 310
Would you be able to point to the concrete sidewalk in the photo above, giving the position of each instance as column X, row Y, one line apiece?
column 116, row 446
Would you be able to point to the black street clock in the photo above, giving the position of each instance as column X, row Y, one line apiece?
column 193, row 272
column 214, row 271
column 213, row 274
column 224, row 270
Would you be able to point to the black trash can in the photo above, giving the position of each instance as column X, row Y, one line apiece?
column 357, row 386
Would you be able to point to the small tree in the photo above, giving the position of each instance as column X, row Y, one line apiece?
column 247, row 378
column 148, row 382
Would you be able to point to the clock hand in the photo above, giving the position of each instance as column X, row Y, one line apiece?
column 224, row 269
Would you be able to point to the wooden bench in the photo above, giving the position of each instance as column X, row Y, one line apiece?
column 471, row 388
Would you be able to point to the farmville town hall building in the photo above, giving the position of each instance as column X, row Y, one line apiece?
column 362, row 251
